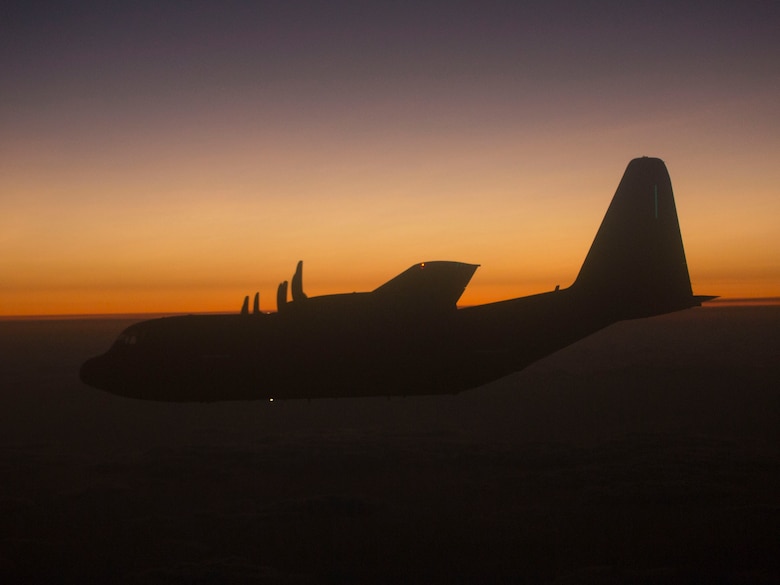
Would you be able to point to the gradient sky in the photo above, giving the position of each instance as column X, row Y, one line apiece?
column 175, row 156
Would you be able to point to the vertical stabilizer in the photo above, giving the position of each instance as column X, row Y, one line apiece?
column 636, row 266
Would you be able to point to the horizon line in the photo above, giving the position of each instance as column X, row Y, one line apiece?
column 723, row 301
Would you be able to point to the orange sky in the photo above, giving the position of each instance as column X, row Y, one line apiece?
column 128, row 185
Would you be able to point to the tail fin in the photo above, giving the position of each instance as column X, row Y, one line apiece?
column 636, row 265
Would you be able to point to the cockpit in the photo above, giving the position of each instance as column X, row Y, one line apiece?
column 129, row 337
column 124, row 339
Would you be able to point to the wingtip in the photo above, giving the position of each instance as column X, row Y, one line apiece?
column 704, row 298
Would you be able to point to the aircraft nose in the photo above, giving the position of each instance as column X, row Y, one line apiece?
column 91, row 372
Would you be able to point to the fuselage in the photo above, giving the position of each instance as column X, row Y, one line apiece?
column 408, row 336
column 355, row 348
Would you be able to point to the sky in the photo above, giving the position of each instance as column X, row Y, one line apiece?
column 176, row 156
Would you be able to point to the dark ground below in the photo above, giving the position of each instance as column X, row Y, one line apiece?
column 648, row 453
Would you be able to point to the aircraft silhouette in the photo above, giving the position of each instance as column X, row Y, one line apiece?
column 408, row 336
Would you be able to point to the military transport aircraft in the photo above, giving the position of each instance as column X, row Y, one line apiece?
column 408, row 336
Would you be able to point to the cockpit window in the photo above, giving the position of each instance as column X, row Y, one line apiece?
column 128, row 338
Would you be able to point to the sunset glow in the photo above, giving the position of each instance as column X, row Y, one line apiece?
column 156, row 160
